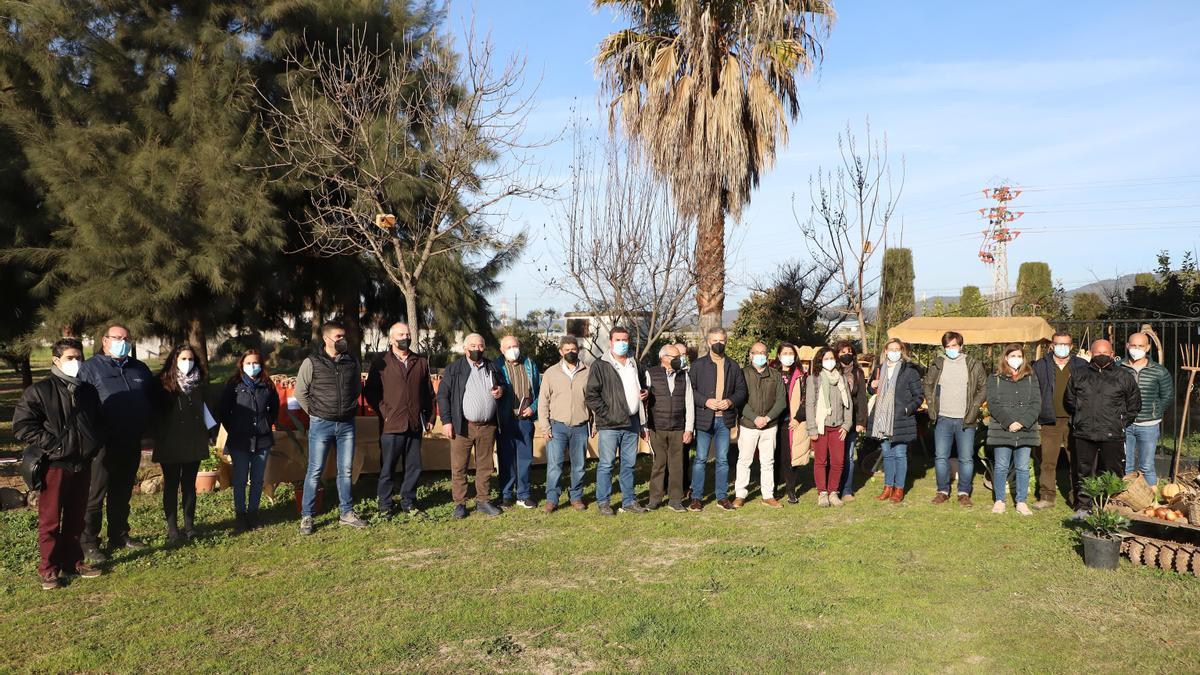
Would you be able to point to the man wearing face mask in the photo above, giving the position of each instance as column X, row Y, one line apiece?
column 468, row 397
column 327, row 388
column 564, row 419
column 719, row 392
column 398, row 387
column 1102, row 399
column 1053, row 373
column 955, row 388
column 124, row 385
column 685, row 360
column 766, row 400
column 1158, row 392
column 60, row 416
column 518, row 409
column 615, row 393
column 670, row 418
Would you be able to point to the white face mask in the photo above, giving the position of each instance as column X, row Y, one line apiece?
column 512, row 353
column 828, row 364
column 893, row 356
column 69, row 368
column 1015, row 362
column 1062, row 351
column 185, row 365
column 1136, row 353
column 787, row 360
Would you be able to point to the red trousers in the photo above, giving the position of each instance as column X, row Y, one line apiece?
column 829, row 457
column 61, row 507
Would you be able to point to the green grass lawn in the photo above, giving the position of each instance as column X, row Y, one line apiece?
column 868, row 587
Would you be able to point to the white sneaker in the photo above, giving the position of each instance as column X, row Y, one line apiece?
column 1023, row 509
column 834, row 499
column 998, row 507
column 823, row 499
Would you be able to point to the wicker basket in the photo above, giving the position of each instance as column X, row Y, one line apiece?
column 1138, row 494
column 1193, row 513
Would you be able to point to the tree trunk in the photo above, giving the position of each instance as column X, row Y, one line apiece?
column 199, row 340
column 26, row 371
column 410, row 307
column 316, row 307
column 710, row 273
column 350, row 307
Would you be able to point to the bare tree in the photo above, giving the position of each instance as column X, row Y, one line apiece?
column 415, row 130
column 851, row 209
column 626, row 250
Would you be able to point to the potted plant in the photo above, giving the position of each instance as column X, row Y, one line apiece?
column 206, row 479
column 1102, row 538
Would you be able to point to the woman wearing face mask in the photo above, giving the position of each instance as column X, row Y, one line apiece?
column 1014, row 402
column 794, row 449
column 181, row 438
column 847, row 357
column 829, row 415
column 248, row 410
column 896, row 384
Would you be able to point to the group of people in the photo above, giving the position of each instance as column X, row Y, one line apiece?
column 789, row 411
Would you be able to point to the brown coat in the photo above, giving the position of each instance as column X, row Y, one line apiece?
column 401, row 395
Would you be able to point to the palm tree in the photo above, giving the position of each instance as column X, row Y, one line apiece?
column 707, row 88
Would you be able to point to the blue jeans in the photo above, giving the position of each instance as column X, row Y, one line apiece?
column 950, row 434
column 716, row 438
column 248, row 466
column 1140, row 446
column 610, row 441
column 514, row 449
column 848, row 467
column 895, row 463
column 565, row 439
column 321, row 434
column 1005, row 457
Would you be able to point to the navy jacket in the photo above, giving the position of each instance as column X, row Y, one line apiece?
column 248, row 412
column 910, row 393
column 703, row 374
column 125, row 387
column 453, row 388
column 1046, row 369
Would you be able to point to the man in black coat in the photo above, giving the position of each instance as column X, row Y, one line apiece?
column 59, row 416
column 719, row 392
column 467, row 399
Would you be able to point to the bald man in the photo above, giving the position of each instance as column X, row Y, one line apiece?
column 399, row 389
column 467, row 403
column 1102, row 399
column 1158, row 393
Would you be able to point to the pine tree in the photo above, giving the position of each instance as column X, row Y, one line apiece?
column 1037, row 294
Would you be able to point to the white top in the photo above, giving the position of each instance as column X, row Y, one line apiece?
column 629, row 378
column 570, row 371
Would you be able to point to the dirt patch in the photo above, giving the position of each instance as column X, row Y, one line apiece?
column 412, row 559
column 529, row 651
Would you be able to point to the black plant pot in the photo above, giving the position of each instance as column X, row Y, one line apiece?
column 1100, row 553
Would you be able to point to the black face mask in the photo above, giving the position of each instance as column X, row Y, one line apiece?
column 676, row 363
column 571, row 357
column 476, row 354
column 341, row 346
column 846, row 359
column 1102, row 360
column 403, row 344
column 718, row 348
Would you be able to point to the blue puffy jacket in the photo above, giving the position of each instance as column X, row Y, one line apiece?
column 124, row 386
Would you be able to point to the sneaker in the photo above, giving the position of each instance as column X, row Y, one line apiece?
column 1043, row 504
column 49, row 583
column 605, row 509
column 1023, row 509
column 677, row 507
column 508, row 502
column 306, row 525
column 695, row 506
column 460, row 511
column 941, row 498
column 488, row 509
column 87, row 571
column 823, row 499
column 739, row 503
column 772, row 503
column 793, row 499
column 998, row 507
column 834, row 499
column 94, row 556
column 131, row 544
column 351, row 519
column 632, row 507
column 527, row 503
column 725, row 504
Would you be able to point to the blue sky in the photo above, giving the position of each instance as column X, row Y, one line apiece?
column 1093, row 105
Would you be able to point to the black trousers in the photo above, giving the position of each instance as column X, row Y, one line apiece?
column 394, row 449
column 1093, row 458
column 114, row 471
column 176, row 478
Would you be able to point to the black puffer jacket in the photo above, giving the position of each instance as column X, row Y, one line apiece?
column 1102, row 402
column 604, row 394
column 248, row 411
column 909, row 396
column 46, row 408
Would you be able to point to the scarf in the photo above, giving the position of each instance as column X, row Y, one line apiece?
column 188, row 383
column 829, row 382
column 884, row 421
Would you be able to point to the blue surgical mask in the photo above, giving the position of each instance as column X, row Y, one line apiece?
column 620, row 347
column 119, row 348
column 251, row 369
column 1062, row 351
column 952, row 353
column 759, row 360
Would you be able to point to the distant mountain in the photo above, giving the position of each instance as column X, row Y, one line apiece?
column 1103, row 288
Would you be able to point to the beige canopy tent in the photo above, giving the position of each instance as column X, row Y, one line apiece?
column 928, row 330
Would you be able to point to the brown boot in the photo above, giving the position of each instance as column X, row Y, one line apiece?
column 941, row 498
column 739, row 503
column 897, row 495
column 886, row 494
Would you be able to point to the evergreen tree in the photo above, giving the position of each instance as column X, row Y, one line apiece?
column 897, row 300
column 971, row 302
column 1037, row 294
column 1087, row 306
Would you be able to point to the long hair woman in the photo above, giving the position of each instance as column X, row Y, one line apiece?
column 1014, row 400
column 829, row 417
column 896, row 384
column 181, row 436
column 248, row 410
column 793, row 445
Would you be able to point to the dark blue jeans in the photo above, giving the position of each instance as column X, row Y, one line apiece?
column 565, row 439
column 248, row 466
column 323, row 433
column 394, row 449
column 612, row 440
column 950, row 435
column 515, row 450
column 717, row 439
column 848, row 469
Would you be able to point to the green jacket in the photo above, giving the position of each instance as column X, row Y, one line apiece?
column 1157, row 387
column 976, row 388
column 765, row 396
